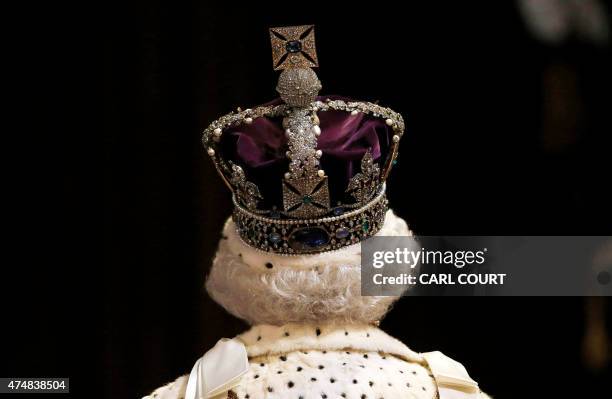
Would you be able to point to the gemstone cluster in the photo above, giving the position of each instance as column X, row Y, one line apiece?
column 294, row 236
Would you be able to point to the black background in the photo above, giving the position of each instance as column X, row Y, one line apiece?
column 505, row 135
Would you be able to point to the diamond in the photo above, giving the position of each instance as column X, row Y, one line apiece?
column 274, row 238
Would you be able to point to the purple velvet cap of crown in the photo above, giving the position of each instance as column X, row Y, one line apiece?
column 260, row 147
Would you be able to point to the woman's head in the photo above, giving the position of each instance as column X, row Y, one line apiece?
column 264, row 288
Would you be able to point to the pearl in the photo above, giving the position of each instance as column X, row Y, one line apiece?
column 319, row 153
column 287, row 175
column 354, row 112
column 288, row 133
column 389, row 122
column 217, row 132
column 316, row 129
column 396, row 138
column 321, row 173
column 211, row 152
column 248, row 120
column 315, row 109
column 288, row 154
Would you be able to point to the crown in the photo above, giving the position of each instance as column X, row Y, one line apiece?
column 307, row 173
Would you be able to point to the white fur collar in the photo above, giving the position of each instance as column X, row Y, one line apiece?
column 272, row 340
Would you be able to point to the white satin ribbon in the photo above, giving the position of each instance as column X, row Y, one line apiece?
column 219, row 370
column 452, row 378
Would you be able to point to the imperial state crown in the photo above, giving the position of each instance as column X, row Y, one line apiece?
column 307, row 173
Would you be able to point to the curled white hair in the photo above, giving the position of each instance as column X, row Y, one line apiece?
column 263, row 288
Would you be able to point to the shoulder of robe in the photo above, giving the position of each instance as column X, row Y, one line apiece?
column 173, row 390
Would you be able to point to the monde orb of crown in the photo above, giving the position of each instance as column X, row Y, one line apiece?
column 298, row 87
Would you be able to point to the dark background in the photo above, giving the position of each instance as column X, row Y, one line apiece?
column 505, row 135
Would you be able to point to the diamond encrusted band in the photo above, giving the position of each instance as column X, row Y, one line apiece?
column 294, row 236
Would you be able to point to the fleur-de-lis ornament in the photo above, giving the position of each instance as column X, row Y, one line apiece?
column 363, row 185
column 246, row 192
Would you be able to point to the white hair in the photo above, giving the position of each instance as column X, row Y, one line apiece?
column 266, row 288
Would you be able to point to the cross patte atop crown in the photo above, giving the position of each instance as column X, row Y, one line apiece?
column 293, row 47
